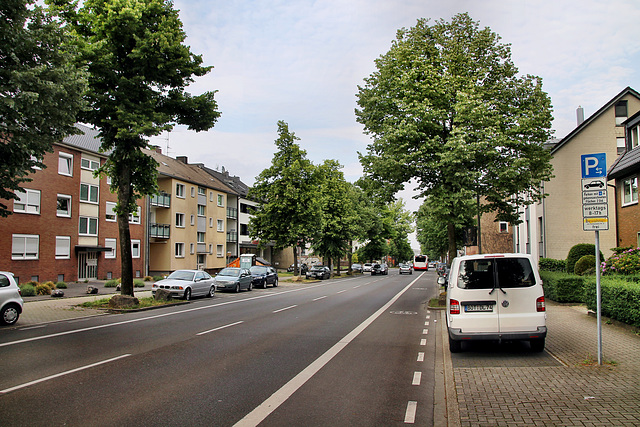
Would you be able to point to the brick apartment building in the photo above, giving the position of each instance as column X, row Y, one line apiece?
column 63, row 227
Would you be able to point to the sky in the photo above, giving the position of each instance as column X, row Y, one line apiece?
column 301, row 61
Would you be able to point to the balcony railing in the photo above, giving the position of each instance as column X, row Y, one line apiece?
column 161, row 231
column 163, row 200
column 232, row 213
column 232, row 237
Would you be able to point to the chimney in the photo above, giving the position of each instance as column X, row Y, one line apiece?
column 580, row 114
column 183, row 159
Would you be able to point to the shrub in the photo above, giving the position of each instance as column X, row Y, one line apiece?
column 111, row 283
column 620, row 298
column 562, row 287
column 549, row 264
column 157, row 278
column 577, row 252
column 28, row 290
column 61, row 285
column 50, row 284
column 148, row 278
column 584, row 264
column 138, row 283
column 624, row 261
column 43, row 289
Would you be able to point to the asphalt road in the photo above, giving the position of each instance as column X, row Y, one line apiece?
column 350, row 351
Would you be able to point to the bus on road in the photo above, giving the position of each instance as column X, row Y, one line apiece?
column 421, row 262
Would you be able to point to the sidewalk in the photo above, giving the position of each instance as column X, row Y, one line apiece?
column 563, row 386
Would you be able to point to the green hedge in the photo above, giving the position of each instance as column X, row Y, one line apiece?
column 577, row 252
column 562, row 287
column 620, row 298
column 550, row 264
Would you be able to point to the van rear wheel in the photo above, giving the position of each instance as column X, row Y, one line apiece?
column 537, row 345
column 455, row 346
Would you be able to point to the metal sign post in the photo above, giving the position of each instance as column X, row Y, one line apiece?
column 595, row 216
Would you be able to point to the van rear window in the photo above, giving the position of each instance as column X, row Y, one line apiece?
column 490, row 273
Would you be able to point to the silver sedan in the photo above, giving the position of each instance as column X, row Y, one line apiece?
column 186, row 284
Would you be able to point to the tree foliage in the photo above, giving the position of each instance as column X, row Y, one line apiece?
column 41, row 91
column 447, row 108
column 139, row 70
column 431, row 231
column 288, row 214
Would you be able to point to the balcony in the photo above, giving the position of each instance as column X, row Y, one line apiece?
column 162, row 200
column 232, row 236
column 232, row 213
column 160, row 231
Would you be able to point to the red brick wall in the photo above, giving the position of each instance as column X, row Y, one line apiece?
column 628, row 219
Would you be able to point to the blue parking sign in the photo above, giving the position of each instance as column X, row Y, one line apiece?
column 594, row 165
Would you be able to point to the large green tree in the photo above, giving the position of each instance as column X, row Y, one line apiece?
column 431, row 231
column 288, row 213
column 139, row 70
column 41, row 91
column 448, row 108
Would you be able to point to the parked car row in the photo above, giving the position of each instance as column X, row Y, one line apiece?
column 11, row 302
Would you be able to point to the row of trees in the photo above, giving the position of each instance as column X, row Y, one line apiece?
column 302, row 203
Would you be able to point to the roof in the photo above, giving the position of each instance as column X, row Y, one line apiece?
column 625, row 164
column 88, row 140
column 588, row 121
column 232, row 182
column 173, row 168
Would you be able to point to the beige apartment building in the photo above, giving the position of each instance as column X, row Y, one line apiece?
column 558, row 221
column 187, row 219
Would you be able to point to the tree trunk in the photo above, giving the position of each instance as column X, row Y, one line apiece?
column 451, row 234
column 126, row 261
column 296, row 267
column 350, row 258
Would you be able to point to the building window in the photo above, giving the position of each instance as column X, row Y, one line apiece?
column 89, row 164
column 192, row 248
column 180, row 190
column 134, row 218
column 88, row 226
column 621, row 112
column 503, row 227
column 211, row 196
column 621, row 145
column 201, row 210
column 63, row 205
column 244, row 230
column 220, row 200
column 210, row 249
column 219, row 251
column 193, row 220
column 180, row 220
column 110, row 215
column 202, row 191
column 220, row 225
column 193, row 191
column 210, row 222
column 88, row 193
column 28, row 201
column 179, row 251
column 65, row 164
column 135, row 248
column 63, row 247
column 112, row 244
column 25, row 246
column 630, row 191
column 200, row 237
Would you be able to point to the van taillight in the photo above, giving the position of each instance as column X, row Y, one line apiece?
column 454, row 306
column 540, row 304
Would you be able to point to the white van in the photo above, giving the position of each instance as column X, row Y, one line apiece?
column 495, row 297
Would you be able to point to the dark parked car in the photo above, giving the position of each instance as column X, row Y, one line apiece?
column 379, row 269
column 263, row 276
column 303, row 268
column 319, row 272
column 186, row 283
column 235, row 279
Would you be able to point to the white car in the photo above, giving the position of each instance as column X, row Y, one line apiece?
column 11, row 302
column 495, row 297
column 366, row 268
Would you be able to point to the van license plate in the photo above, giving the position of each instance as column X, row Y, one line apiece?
column 478, row 307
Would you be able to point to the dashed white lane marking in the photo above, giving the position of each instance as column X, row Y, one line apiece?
column 423, row 341
column 417, row 377
column 421, row 356
column 286, row 308
column 50, row 377
column 339, row 292
column 220, row 327
column 319, row 298
column 410, row 413
column 425, row 331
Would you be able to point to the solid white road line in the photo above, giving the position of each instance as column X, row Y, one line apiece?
column 410, row 414
column 220, row 327
column 417, row 377
column 50, row 377
column 286, row 308
column 256, row 416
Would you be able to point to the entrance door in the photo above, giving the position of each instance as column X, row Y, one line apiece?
column 87, row 265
